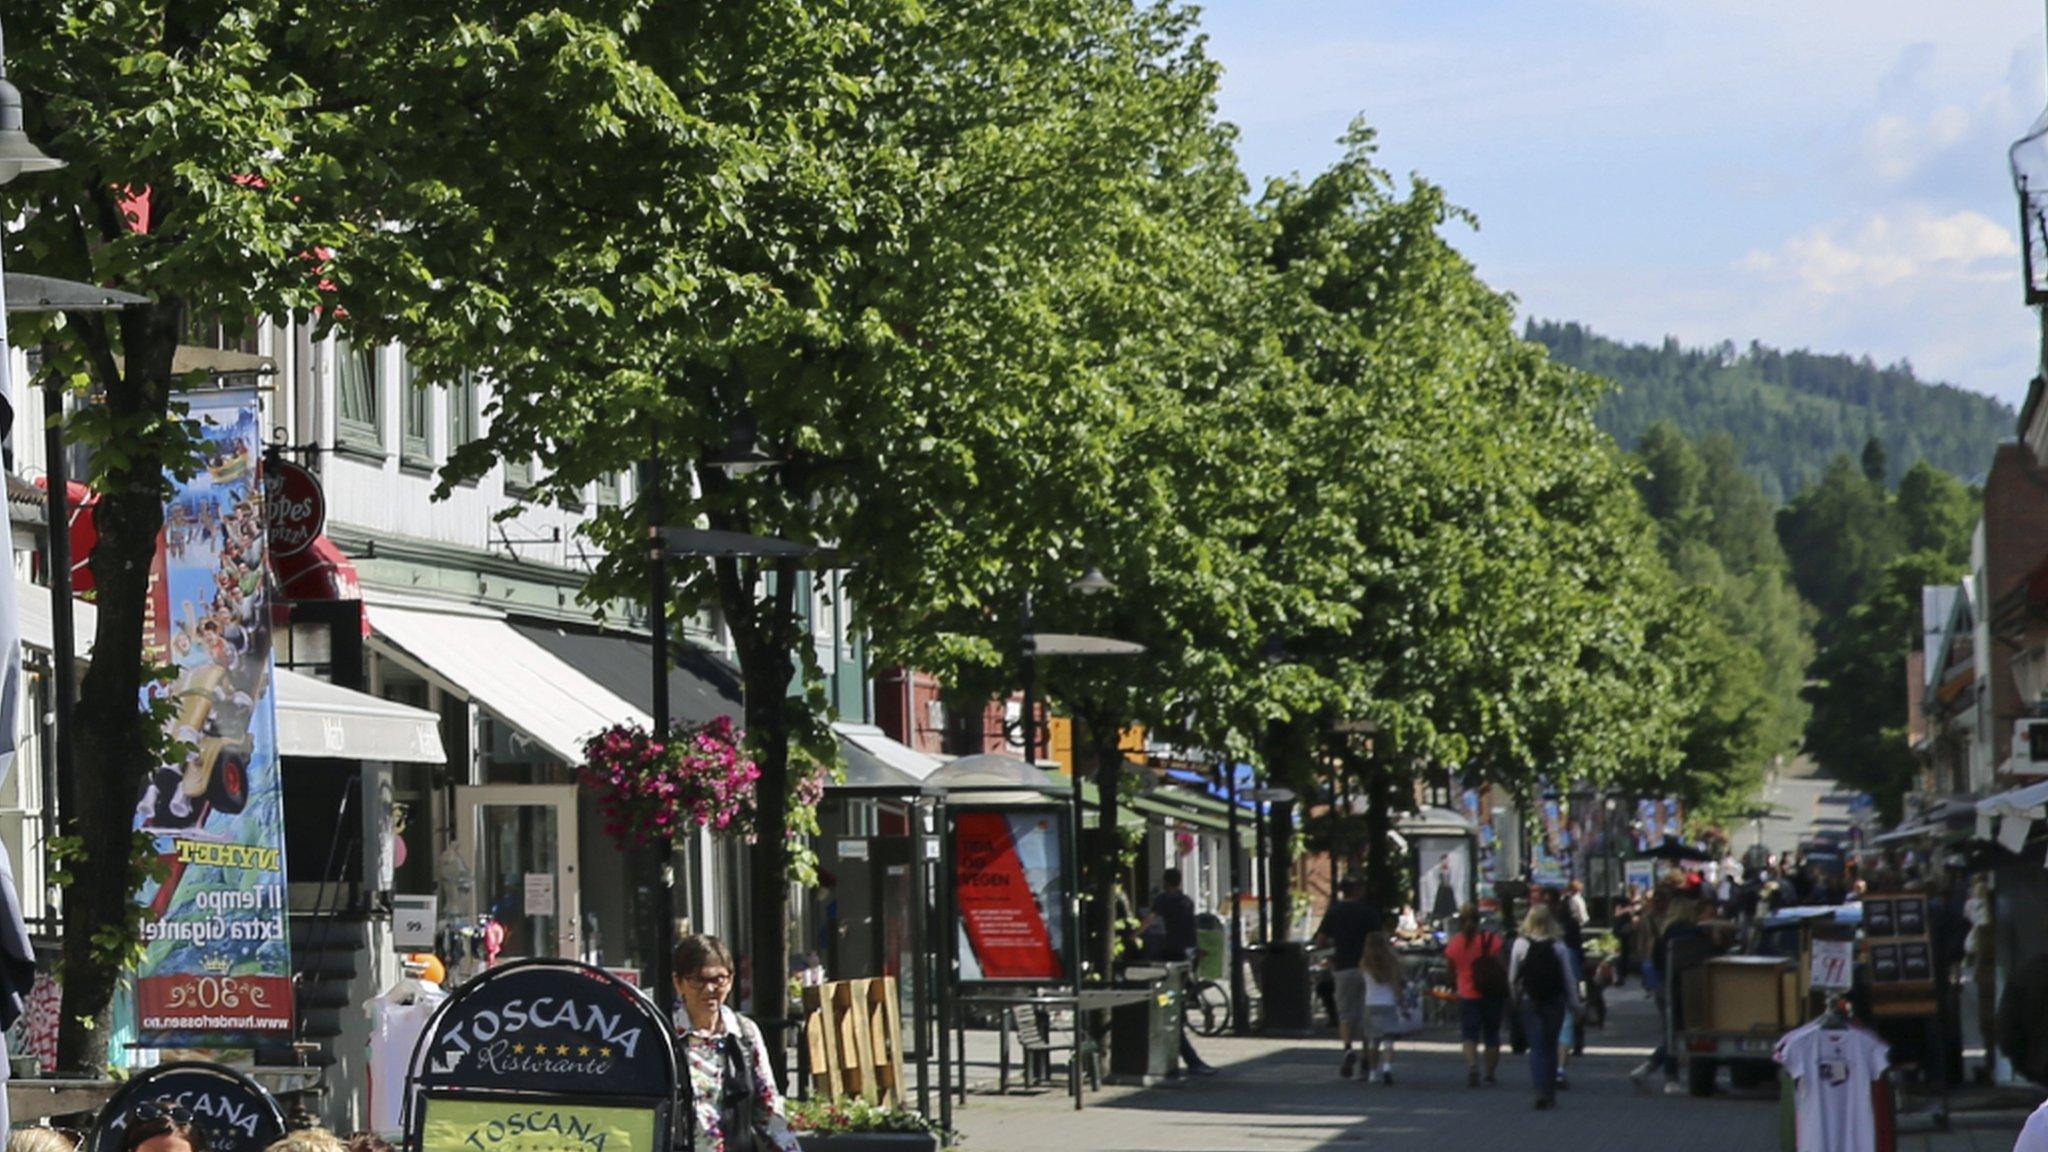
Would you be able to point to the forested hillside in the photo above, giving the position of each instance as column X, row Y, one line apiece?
column 1789, row 413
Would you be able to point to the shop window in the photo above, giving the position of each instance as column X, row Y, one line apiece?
column 318, row 848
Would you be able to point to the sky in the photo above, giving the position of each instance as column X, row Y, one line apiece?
column 1824, row 174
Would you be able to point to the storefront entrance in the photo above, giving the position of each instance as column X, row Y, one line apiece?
column 520, row 842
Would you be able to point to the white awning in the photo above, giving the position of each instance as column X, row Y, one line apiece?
column 477, row 654
column 314, row 718
column 892, row 763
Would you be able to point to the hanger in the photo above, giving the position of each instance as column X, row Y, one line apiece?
column 409, row 988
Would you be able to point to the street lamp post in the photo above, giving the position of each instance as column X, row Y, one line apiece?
column 663, row 543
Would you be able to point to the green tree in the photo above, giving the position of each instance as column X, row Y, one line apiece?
column 1858, row 731
column 1839, row 536
column 1937, row 513
column 187, row 110
column 909, row 248
column 1876, row 468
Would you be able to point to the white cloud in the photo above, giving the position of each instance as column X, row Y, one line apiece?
column 1910, row 244
column 1898, row 147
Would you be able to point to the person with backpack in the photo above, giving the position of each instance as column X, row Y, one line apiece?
column 1475, row 959
column 1539, row 973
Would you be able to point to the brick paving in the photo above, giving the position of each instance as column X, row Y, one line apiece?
column 1286, row 1095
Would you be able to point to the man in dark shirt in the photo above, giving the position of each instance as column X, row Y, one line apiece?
column 1176, row 914
column 1344, row 929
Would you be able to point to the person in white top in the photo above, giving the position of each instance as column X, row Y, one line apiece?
column 1383, row 987
column 2034, row 1137
column 1833, row 1064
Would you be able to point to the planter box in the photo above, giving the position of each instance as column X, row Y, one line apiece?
column 869, row 1142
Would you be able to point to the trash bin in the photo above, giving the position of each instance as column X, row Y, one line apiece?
column 1286, row 992
column 1144, row 1035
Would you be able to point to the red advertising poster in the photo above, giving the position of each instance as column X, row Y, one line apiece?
column 1009, row 881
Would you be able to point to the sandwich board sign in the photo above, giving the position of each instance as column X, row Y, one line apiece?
column 543, row 1056
column 235, row 1112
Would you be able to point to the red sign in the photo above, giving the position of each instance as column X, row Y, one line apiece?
column 1006, row 871
column 189, row 1003
column 294, row 506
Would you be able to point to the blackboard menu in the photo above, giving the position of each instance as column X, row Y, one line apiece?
column 1884, row 963
column 1909, row 916
column 1877, row 918
column 1916, row 961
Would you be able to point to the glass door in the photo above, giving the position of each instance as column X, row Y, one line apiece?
column 520, row 843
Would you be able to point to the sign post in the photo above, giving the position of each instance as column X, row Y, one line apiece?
column 543, row 1056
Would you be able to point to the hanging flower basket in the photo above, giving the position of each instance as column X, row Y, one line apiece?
column 651, row 790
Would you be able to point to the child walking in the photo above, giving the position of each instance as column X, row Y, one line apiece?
column 1383, row 986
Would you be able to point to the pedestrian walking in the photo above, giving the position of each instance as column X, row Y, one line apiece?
column 1343, row 930
column 734, row 1102
column 1539, row 972
column 1481, row 975
column 1384, row 985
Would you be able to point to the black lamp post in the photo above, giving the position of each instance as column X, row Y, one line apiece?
column 694, row 543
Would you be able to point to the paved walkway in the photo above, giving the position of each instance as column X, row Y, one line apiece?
column 1285, row 1094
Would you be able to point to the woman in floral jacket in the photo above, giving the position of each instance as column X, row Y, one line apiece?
column 735, row 1105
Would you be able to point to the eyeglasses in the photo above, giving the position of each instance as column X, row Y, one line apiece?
column 712, row 979
column 165, row 1109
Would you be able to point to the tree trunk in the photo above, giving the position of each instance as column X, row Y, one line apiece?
column 1380, row 875
column 768, row 887
column 114, row 746
column 764, row 638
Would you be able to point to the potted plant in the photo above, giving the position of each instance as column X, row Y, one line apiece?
column 650, row 789
column 854, row 1125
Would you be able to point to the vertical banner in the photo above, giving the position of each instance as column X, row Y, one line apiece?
column 1009, row 875
column 216, row 968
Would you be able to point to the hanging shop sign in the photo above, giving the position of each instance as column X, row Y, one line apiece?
column 216, row 965
column 235, row 1112
column 295, row 506
column 543, row 1056
column 1443, row 875
column 1011, row 893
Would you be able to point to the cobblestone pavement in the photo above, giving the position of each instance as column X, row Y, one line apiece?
column 1286, row 1094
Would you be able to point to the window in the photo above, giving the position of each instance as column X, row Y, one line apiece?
column 519, row 476
column 462, row 419
column 608, row 490
column 355, row 387
column 415, row 412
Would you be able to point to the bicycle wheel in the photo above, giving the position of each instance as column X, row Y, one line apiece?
column 1208, row 1009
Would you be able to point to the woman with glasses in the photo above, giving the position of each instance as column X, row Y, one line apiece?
column 735, row 1104
column 163, row 1126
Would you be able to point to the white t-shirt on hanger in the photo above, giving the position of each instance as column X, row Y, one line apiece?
column 395, row 1026
column 1833, row 1070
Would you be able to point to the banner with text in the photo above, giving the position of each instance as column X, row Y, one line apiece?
column 1009, row 879
column 216, row 966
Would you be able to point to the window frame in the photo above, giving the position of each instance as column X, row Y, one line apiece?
column 415, row 419
column 353, row 433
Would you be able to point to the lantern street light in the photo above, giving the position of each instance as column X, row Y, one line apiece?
column 2029, row 159
column 18, row 153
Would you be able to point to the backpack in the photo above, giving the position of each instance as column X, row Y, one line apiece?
column 1489, row 975
column 1542, row 973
